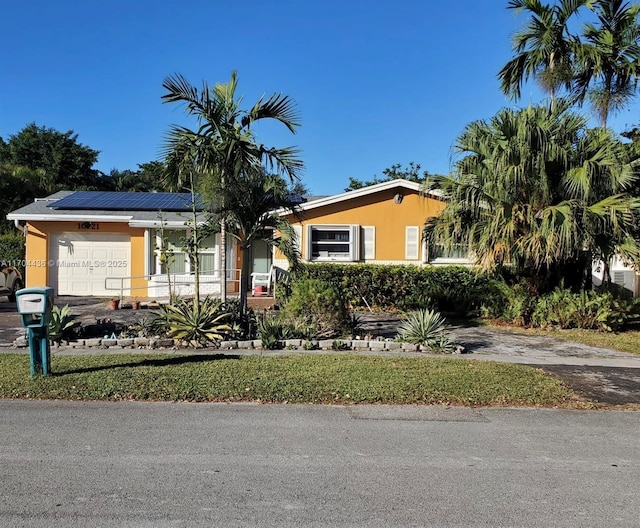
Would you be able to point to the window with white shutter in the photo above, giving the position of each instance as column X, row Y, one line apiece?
column 333, row 242
column 412, row 242
column 369, row 242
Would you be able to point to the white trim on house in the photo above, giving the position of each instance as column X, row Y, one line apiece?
column 157, row 224
column 364, row 191
column 68, row 218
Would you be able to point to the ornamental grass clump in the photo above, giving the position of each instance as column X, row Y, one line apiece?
column 426, row 328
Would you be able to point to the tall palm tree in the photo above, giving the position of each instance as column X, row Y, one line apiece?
column 251, row 209
column 225, row 143
column 608, row 61
column 537, row 191
column 544, row 47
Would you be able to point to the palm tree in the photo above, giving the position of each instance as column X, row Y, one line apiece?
column 544, row 48
column 536, row 191
column 251, row 209
column 608, row 59
column 225, row 146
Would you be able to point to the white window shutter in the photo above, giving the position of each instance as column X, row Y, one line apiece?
column 297, row 229
column 369, row 242
column 354, row 239
column 308, row 248
column 412, row 242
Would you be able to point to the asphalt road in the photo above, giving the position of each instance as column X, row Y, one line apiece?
column 74, row 464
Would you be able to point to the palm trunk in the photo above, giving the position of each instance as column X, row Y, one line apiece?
column 244, row 280
column 223, row 246
column 196, row 246
column 223, row 257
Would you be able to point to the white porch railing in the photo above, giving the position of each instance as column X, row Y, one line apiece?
column 181, row 283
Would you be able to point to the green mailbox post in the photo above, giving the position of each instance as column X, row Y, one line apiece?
column 35, row 306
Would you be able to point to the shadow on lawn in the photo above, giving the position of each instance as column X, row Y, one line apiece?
column 158, row 362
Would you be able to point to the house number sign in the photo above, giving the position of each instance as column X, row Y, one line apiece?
column 89, row 225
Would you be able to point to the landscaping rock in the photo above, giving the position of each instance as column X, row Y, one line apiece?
column 109, row 342
column 359, row 344
column 296, row 343
column 93, row 342
column 245, row 345
column 410, row 347
column 124, row 343
column 228, row 345
column 377, row 345
column 326, row 344
column 21, row 341
column 392, row 345
column 141, row 341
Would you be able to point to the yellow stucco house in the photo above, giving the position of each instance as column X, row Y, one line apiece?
column 379, row 224
column 107, row 244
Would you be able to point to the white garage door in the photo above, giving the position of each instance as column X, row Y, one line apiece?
column 82, row 262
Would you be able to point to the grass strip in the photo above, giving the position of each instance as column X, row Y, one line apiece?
column 337, row 379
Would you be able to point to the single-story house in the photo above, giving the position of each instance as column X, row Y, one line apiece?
column 108, row 243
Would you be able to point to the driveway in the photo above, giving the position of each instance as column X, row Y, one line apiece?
column 602, row 375
column 598, row 374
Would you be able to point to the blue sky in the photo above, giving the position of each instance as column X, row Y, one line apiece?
column 376, row 83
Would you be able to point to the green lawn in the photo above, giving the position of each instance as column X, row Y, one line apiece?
column 340, row 379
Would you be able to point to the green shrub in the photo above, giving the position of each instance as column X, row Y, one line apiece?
column 270, row 332
column 453, row 289
column 12, row 249
column 317, row 305
column 244, row 325
column 587, row 310
column 427, row 328
column 513, row 304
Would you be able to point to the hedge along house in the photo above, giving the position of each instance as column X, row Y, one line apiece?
column 379, row 224
column 107, row 244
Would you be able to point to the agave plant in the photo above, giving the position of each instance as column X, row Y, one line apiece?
column 427, row 328
column 198, row 324
column 60, row 324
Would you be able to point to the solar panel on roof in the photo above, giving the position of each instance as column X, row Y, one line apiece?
column 127, row 201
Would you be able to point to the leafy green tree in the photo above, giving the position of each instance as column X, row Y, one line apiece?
column 250, row 209
column 19, row 185
column 224, row 147
column 62, row 162
column 544, row 48
column 149, row 177
column 412, row 173
column 537, row 191
column 608, row 61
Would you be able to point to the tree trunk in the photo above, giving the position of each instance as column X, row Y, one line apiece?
column 196, row 247
column 244, row 279
column 223, row 257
